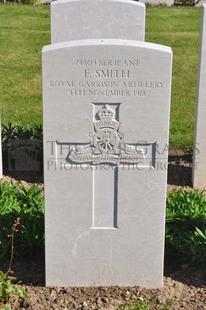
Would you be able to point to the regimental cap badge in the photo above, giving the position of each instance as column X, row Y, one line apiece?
column 107, row 144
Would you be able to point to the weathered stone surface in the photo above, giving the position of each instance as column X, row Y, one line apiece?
column 95, row 19
column 199, row 151
column 106, row 119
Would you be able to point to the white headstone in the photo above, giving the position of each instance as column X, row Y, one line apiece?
column 1, row 160
column 95, row 19
column 199, row 151
column 106, row 111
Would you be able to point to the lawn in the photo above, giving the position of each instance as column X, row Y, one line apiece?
column 25, row 29
column 179, row 27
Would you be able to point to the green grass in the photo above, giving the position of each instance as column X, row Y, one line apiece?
column 25, row 29
column 178, row 27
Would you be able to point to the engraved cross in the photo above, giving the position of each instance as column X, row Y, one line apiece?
column 108, row 150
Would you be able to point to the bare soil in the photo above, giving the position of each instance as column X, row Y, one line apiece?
column 184, row 288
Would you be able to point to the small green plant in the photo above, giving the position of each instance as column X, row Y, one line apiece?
column 7, row 288
column 6, row 307
column 136, row 305
column 140, row 305
column 186, row 228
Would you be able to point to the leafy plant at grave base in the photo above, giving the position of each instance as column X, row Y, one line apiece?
column 16, row 136
column 32, row 219
column 12, row 132
column 9, row 208
column 7, row 288
column 28, row 204
column 186, row 228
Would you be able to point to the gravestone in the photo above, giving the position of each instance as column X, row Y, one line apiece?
column 199, row 150
column 95, row 19
column 106, row 119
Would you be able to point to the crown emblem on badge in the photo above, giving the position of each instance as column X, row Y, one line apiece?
column 106, row 113
column 106, row 119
